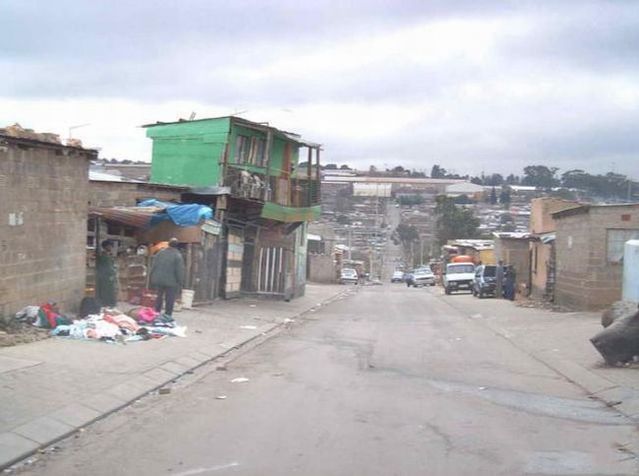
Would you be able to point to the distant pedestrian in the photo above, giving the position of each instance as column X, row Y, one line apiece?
column 106, row 276
column 499, row 280
column 167, row 276
column 510, row 283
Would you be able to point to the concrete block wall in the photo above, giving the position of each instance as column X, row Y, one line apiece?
column 321, row 269
column 585, row 277
column 234, row 258
column 43, row 215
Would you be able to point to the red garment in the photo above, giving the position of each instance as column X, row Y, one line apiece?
column 51, row 314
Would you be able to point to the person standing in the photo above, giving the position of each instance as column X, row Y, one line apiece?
column 511, row 283
column 106, row 276
column 167, row 276
column 499, row 280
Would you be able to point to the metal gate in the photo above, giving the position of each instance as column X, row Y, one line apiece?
column 271, row 270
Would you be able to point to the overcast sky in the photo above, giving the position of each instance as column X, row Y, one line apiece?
column 471, row 85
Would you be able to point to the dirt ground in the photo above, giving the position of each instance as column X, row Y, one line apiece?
column 14, row 333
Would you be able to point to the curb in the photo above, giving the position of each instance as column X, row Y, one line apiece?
column 27, row 439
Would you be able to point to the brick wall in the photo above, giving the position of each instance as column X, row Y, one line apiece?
column 43, row 213
column 585, row 277
column 124, row 194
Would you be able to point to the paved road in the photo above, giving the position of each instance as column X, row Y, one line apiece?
column 389, row 381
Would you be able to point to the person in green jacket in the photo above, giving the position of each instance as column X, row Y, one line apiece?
column 167, row 276
column 106, row 276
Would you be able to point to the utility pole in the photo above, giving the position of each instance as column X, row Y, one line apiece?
column 421, row 248
column 349, row 244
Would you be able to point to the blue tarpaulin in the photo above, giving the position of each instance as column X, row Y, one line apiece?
column 182, row 215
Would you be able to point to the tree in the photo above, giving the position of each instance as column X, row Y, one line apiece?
column 372, row 170
column 513, row 180
column 453, row 222
column 477, row 181
column 463, row 199
column 504, row 196
column 438, row 172
column 344, row 167
column 407, row 233
column 495, row 180
column 540, row 176
column 330, row 167
column 493, row 196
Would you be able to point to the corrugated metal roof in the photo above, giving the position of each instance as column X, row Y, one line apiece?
column 136, row 217
column 104, row 177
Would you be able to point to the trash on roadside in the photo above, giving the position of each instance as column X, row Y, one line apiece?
column 248, row 327
column 482, row 388
column 221, row 367
column 252, row 305
column 164, row 390
column 239, row 380
column 287, row 320
column 221, row 397
column 618, row 343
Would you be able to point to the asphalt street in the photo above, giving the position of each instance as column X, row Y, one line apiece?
column 388, row 381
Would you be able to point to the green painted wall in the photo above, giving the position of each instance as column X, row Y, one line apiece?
column 290, row 214
column 188, row 153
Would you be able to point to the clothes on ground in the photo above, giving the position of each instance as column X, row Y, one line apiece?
column 111, row 325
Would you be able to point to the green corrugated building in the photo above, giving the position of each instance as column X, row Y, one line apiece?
column 249, row 173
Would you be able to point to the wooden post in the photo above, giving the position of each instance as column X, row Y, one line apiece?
column 317, row 173
column 267, row 178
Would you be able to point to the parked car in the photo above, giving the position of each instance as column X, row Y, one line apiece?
column 348, row 275
column 458, row 276
column 485, row 283
column 422, row 276
column 398, row 277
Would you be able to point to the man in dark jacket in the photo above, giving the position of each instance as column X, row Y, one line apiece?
column 167, row 276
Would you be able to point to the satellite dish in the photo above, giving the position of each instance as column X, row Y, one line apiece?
column 192, row 116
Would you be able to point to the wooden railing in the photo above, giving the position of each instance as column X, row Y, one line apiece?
column 288, row 192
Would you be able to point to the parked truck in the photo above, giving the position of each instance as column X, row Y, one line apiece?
column 458, row 276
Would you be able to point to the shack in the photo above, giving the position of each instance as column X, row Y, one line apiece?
column 43, row 210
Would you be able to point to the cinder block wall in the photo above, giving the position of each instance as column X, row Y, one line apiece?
column 585, row 278
column 43, row 214
column 321, row 269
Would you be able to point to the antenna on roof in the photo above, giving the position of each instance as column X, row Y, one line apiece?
column 192, row 116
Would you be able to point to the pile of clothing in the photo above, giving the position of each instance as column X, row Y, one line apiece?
column 46, row 316
column 112, row 325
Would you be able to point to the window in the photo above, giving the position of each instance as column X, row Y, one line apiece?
column 250, row 151
column 616, row 241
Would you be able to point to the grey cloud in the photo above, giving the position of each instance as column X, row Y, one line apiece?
column 182, row 50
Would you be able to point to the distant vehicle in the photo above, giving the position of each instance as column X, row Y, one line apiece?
column 485, row 283
column 348, row 275
column 398, row 277
column 423, row 276
column 458, row 276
